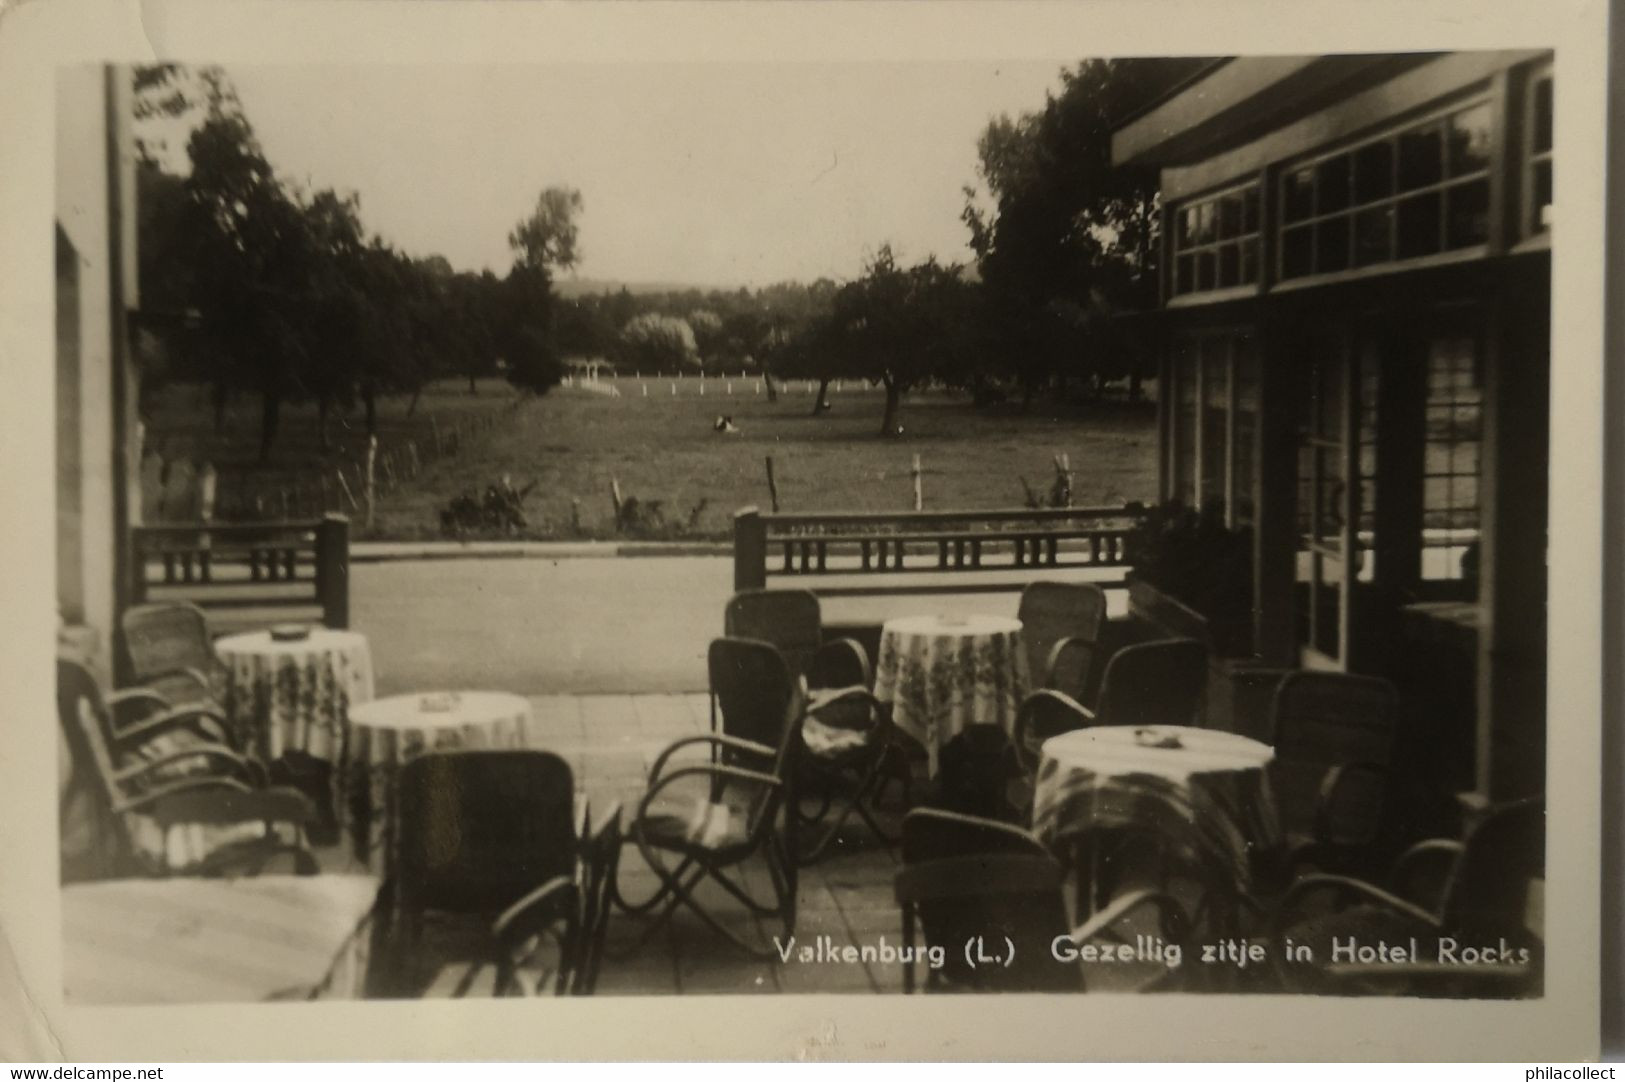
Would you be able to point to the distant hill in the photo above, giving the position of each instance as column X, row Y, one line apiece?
column 583, row 287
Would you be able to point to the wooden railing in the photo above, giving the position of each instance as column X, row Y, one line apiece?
column 248, row 574
column 967, row 551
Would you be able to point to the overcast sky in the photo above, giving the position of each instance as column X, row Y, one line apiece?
column 712, row 174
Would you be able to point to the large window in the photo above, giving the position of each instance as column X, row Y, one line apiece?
column 1538, row 173
column 1450, row 466
column 1214, row 421
column 1412, row 193
column 1216, row 242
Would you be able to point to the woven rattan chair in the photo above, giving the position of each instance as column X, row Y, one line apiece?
column 707, row 818
column 1061, row 620
column 1334, row 736
column 1451, row 897
column 147, row 788
column 1153, row 683
column 170, row 650
column 793, row 621
column 971, row 880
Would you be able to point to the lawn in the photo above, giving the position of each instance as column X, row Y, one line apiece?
column 180, row 436
column 574, row 442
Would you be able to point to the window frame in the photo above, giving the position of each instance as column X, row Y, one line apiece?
column 1471, row 98
column 1529, row 158
column 1176, row 249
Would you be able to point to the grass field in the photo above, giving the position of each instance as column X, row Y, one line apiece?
column 573, row 442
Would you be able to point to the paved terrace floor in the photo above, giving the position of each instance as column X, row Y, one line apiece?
column 610, row 742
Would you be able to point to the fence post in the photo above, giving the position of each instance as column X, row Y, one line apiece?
column 919, row 496
column 368, row 485
column 750, row 549
column 333, row 570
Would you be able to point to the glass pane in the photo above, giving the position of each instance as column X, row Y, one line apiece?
column 1298, row 194
column 1185, row 278
column 1229, row 216
column 1229, row 269
column 1469, row 210
column 1246, row 423
column 1541, row 136
column 1419, row 225
column 1420, row 158
column 1328, row 411
column 1187, row 227
column 1332, row 245
column 1374, row 236
column 1332, row 180
column 1249, row 210
column 1297, row 252
column 1249, row 261
column 1184, row 370
column 1215, row 418
column 1542, row 197
column 1204, row 270
column 1374, row 171
column 1470, row 141
column 1204, row 223
column 1329, row 504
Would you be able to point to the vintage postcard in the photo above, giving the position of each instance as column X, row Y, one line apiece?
column 737, row 519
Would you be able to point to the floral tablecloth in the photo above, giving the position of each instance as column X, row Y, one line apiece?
column 295, row 696
column 1204, row 794
column 942, row 674
column 196, row 940
column 386, row 733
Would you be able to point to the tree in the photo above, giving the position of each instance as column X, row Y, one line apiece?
column 546, row 239
column 895, row 327
column 659, row 343
column 1067, row 235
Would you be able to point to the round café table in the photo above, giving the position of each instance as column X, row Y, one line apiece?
column 387, row 733
column 941, row 674
column 1204, row 795
column 295, row 695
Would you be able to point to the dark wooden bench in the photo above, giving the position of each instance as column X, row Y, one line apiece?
column 247, row 575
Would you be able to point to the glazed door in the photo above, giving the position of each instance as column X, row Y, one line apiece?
column 1336, row 500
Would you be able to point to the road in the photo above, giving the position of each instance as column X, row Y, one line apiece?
column 578, row 626
column 537, row 626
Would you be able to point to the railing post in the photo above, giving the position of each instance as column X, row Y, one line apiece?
column 333, row 570
column 750, row 549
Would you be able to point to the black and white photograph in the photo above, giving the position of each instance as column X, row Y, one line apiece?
column 1107, row 523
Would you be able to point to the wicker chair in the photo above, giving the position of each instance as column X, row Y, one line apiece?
column 792, row 620
column 148, row 790
column 170, row 650
column 965, row 878
column 1153, row 683
column 1060, row 625
column 709, row 818
column 1449, row 896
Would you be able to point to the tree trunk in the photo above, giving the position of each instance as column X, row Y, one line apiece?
column 772, row 391
column 412, row 406
column 888, row 423
column 1135, row 390
column 473, row 387
column 370, row 401
column 1028, row 385
column 270, row 415
column 219, row 396
column 821, row 401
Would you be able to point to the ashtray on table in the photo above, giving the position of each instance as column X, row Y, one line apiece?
column 1153, row 737
column 290, row 632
